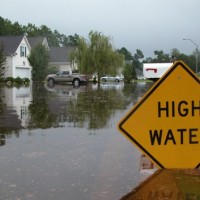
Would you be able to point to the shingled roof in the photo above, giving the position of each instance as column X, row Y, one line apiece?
column 34, row 41
column 60, row 54
column 10, row 43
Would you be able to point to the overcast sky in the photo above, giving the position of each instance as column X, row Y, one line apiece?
column 147, row 25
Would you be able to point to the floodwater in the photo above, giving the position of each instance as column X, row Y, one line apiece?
column 62, row 142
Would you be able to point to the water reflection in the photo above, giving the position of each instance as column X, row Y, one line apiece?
column 88, row 106
column 14, row 103
column 44, row 106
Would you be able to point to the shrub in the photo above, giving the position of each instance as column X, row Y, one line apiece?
column 18, row 80
column 9, row 80
column 2, row 79
column 26, row 80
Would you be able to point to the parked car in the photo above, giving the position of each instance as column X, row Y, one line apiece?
column 66, row 76
column 112, row 78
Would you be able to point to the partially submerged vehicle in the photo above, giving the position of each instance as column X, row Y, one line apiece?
column 112, row 78
column 66, row 76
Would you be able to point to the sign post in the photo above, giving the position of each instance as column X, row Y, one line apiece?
column 165, row 123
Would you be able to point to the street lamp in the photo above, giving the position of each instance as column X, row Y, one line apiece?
column 196, row 52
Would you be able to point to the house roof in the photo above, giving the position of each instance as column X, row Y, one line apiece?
column 34, row 41
column 139, row 72
column 60, row 54
column 10, row 43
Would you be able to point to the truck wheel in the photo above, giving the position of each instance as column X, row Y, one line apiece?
column 51, row 81
column 76, row 82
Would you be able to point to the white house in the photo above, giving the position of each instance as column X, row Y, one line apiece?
column 59, row 58
column 16, row 50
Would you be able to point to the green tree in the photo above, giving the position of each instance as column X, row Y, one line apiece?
column 136, row 59
column 31, row 30
column 174, row 54
column 17, row 29
column 51, row 37
column 161, row 57
column 148, row 60
column 81, row 57
column 139, row 54
column 126, row 53
column 190, row 60
column 71, row 40
column 129, row 73
column 5, row 26
column 2, row 61
column 39, row 59
column 1, row 25
column 97, row 55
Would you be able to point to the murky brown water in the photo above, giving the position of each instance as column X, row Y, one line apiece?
column 63, row 143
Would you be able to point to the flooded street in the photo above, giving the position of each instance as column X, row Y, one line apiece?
column 62, row 142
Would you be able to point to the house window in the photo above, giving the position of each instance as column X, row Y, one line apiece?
column 22, row 51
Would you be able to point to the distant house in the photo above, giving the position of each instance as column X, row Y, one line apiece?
column 59, row 58
column 16, row 50
column 139, row 73
column 128, row 62
column 34, row 41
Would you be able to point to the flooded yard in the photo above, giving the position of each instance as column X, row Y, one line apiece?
column 62, row 142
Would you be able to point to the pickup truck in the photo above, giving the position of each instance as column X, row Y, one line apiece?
column 65, row 76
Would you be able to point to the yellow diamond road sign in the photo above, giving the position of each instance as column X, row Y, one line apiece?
column 165, row 123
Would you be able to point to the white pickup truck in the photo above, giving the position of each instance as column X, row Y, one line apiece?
column 65, row 76
column 154, row 71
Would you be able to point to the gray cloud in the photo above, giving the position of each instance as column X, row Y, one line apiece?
column 135, row 24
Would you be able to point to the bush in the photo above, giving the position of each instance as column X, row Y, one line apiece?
column 9, row 80
column 2, row 80
column 128, row 73
column 52, row 69
column 18, row 80
column 26, row 80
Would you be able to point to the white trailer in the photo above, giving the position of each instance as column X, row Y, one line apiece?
column 155, row 70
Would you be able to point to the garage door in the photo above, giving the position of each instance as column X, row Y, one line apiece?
column 23, row 72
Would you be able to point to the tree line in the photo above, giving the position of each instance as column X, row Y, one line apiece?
column 54, row 38
column 93, row 55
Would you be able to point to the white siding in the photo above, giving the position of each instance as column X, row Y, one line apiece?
column 17, row 65
column 65, row 68
column 8, row 67
column 155, row 70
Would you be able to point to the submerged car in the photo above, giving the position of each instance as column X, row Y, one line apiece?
column 112, row 78
column 67, row 76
